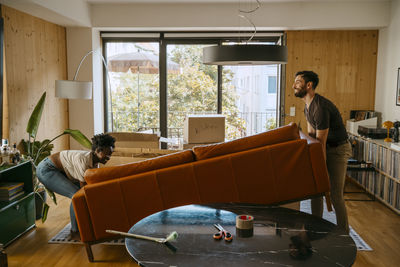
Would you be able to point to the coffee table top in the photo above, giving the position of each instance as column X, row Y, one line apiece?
column 282, row 237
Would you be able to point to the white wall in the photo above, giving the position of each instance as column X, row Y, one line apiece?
column 79, row 42
column 98, row 96
column 388, row 63
column 271, row 16
column 61, row 12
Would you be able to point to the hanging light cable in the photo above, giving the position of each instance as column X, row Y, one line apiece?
column 245, row 53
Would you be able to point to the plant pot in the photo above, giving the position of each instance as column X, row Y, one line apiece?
column 39, row 202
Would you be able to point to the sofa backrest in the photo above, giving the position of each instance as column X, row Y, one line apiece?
column 264, row 175
column 113, row 172
column 282, row 134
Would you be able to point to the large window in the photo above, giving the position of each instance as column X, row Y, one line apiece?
column 155, row 83
column 134, row 91
column 192, row 90
column 251, row 107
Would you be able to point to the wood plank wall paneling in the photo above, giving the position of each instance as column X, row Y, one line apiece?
column 5, row 121
column 35, row 54
column 345, row 62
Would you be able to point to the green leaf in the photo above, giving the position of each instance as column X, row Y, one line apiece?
column 45, row 211
column 34, row 120
column 79, row 137
column 51, row 195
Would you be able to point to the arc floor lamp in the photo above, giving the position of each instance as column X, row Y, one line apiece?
column 76, row 89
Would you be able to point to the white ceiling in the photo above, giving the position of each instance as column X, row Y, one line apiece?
column 216, row 1
column 208, row 14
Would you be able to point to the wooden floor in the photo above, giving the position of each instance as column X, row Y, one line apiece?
column 374, row 222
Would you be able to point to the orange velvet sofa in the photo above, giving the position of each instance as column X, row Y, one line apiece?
column 277, row 166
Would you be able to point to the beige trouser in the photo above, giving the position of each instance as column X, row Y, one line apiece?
column 336, row 161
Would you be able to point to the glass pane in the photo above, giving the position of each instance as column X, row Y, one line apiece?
column 192, row 87
column 134, row 80
column 271, row 84
column 247, row 101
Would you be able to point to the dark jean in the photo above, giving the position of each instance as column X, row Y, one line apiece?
column 55, row 180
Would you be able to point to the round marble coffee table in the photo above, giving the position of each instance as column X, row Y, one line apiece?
column 282, row 237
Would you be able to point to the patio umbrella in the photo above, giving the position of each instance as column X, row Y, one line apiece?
column 138, row 62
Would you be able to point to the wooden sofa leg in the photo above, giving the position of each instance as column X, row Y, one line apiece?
column 89, row 251
column 328, row 201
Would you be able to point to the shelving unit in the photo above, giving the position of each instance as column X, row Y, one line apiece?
column 384, row 182
column 17, row 216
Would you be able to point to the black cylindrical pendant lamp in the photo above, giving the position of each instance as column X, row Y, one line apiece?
column 245, row 55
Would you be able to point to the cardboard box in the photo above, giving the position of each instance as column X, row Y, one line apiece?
column 200, row 129
column 352, row 125
column 129, row 155
column 138, row 140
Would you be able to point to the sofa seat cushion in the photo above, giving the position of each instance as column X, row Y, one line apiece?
column 93, row 176
column 278, row 135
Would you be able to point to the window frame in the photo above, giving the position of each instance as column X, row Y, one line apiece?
column 179, row 38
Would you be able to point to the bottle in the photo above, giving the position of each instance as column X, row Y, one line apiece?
column 5, row 151
column 15, row 154
column 3, row 257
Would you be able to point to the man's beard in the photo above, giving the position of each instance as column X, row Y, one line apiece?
column 301, row 93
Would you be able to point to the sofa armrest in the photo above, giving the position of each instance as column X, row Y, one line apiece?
column 310, row 140
column 317, row 160
column 82, row 216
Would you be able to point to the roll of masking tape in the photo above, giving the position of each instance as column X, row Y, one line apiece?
column 244, row 225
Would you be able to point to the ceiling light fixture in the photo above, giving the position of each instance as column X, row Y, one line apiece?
column 245, row 53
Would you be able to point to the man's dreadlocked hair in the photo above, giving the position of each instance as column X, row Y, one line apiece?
column 102, row 141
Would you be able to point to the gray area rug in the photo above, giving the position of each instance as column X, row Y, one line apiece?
column 305, row 206
column 63, row 237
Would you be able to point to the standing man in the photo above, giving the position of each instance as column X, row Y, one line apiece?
column 324, row 123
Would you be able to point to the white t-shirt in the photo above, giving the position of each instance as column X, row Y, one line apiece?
column 76, row 162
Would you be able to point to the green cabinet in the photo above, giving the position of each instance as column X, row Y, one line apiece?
column 17, row 216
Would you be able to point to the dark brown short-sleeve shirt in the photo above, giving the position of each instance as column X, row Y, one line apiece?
column 323, row 114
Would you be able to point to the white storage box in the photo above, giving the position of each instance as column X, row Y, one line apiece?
column 200, row 129
column 352, row 125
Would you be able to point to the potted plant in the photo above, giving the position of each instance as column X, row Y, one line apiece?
column 36, row 151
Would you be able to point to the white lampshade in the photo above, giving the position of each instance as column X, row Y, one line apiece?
column 73, row 89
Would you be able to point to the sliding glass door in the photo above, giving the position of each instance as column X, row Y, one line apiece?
column 249, row 99
column 191, row 90
column 133, row 102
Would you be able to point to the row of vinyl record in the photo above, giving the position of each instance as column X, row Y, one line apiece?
column 380, row 185
column 381, row 157
column 11, row 190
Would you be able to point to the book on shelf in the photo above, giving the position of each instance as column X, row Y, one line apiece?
column 10, row 187
column 359, row 115
column 13, row 196
column 10, row 193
